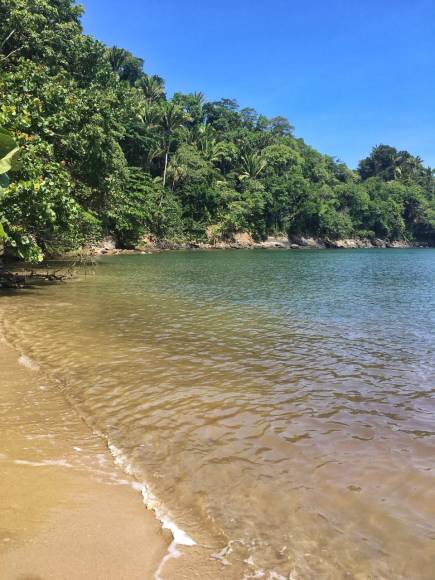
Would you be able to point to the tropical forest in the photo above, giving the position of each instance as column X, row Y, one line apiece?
column 92, row 145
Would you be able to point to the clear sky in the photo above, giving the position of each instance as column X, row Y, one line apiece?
column 348, row 74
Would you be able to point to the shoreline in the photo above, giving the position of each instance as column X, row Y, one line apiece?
column 71, row 508
column 108, row 245
column 68, row 512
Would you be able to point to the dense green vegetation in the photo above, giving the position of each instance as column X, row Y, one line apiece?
column 103, row 150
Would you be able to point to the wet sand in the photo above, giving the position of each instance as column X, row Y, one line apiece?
column 66, row 513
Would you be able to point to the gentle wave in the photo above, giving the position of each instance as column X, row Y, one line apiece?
column 179, row 537
column 279, row 406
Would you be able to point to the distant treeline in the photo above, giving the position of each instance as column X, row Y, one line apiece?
column 103, row 150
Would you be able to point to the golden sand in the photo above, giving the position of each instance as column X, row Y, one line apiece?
column 64, row 513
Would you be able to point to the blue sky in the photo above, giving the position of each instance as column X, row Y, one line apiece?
column 348, row 74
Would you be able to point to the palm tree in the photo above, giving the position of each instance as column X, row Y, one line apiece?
column 177, row 172
column 205, row 141
column 407, row 166
column 200, row 97
column 153, row 88
column 117, row 58
column 149, row 115
column 220, row 153
column 171, row 117
column 414, row 166
column 126, row 66
column 252, row 165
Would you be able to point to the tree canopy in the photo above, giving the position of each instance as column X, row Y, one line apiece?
column 104, row 150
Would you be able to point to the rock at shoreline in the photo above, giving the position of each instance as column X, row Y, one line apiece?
column 244, row 240
column 303, row 242
column 275, row 242
column 106, row 246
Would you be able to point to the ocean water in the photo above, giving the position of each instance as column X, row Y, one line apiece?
column 276, row 406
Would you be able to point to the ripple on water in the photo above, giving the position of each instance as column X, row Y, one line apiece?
column 277, row 406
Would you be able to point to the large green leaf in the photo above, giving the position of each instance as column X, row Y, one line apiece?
column 8, row 152
column 7, row 142
column 10, row 161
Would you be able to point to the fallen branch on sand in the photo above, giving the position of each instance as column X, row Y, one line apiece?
column 25, row 278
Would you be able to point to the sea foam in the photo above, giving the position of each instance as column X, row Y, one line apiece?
column 28, row 362
column 180, row 538
column 44, row 463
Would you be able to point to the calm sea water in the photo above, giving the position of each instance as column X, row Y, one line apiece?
column 278, row 404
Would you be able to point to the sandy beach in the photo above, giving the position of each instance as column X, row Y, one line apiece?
column 66, row 512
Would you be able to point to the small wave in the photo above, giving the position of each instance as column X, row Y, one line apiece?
column 180, row 538
column 28, row 363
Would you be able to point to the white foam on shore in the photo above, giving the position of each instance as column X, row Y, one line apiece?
column 179, row 536
column 45, row 463
column 152, row 503
column 172, row 553
column 28, row 363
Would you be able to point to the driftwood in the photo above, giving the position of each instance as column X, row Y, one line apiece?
column 44, row 274
column 27, row 278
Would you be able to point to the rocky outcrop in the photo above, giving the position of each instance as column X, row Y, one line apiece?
column 307, row 242
column 370, row 243
column 244, row 240
column 401, row 244
column 349, row 243
column 276, row 242
column 106, row 246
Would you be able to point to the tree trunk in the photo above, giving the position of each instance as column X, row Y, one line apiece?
column 166, row 167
